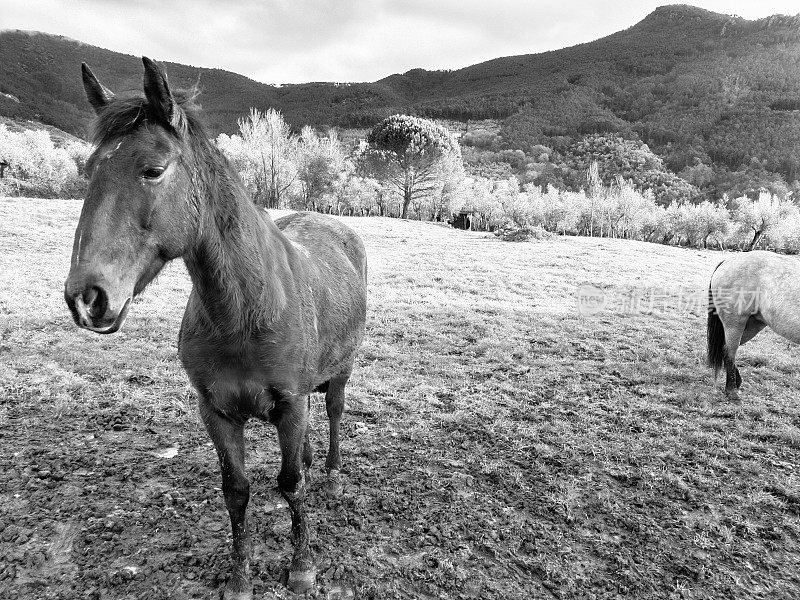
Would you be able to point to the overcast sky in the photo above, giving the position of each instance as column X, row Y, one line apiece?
column 295, row 41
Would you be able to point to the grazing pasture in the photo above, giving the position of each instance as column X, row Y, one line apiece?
column 496, row 443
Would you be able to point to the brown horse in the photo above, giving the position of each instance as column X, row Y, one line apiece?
column 277, row 309
column 748, row 292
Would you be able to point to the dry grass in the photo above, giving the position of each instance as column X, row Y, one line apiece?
column 499, row 444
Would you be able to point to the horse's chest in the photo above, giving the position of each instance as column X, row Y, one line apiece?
column 235, row 382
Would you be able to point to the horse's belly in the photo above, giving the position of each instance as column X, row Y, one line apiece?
column 783, row 318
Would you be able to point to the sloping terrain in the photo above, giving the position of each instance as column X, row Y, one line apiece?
column 59, row 137
column 496, row 443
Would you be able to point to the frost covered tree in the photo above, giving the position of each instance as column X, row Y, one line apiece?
column 760, row 217
column 412, row 149
column 36, row 165
column 265, row 154
column 320, row 161
column 703, row 221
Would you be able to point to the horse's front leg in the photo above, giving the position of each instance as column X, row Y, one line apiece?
column 228, row 437
column 292, row 424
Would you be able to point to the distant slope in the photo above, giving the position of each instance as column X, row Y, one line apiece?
column 42, row 73
column 60, row 138
column 697, row 86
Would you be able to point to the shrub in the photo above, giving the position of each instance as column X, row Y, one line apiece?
column 511, row 233
column 37, row 166
column 481, row 139
column 785, row 236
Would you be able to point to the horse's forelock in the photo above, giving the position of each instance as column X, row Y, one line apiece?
column 124, row 116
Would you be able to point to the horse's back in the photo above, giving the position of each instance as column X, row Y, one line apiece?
column 759, row 283
column 325, row 240
column 758, row 269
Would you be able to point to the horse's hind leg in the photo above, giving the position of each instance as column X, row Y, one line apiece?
column 752, row 328
column 292, row 423
column 228, row 438
column 733, row 339
column 334, row 403
column 732, row 377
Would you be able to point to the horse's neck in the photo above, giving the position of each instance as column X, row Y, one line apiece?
column 237, row 264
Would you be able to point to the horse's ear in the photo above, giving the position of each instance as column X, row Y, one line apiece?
column 99, row 96
column 156, row 90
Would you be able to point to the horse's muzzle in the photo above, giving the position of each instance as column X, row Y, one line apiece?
column 91, row 309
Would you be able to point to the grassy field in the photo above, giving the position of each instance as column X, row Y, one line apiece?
column 497, row 443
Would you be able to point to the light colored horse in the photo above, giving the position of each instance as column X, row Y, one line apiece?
column 747, row 292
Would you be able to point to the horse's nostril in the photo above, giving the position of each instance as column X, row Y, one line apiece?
column 96, row 301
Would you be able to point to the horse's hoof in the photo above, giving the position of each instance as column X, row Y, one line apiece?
column 333, row 484
column 732, row 395
column 302, row 581
column 231, row 594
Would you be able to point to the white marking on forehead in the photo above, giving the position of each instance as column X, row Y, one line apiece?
column 78, row 253
column 111, row 153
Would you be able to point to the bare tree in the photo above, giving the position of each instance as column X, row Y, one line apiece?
column 265, row 154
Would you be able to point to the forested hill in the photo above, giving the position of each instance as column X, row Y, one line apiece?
column 40, row 80
column 697, row 86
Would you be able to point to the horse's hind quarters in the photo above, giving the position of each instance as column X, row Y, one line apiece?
column 93, row 309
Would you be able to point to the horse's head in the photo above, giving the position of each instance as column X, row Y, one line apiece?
column 138, row 213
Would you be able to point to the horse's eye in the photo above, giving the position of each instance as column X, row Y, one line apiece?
column 153, row 172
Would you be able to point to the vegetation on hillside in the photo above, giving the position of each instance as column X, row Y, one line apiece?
column 39, row 167
column 631, row 196
column 411, row 167
column 715, row 97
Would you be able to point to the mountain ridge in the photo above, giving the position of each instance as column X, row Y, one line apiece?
column 697, row 86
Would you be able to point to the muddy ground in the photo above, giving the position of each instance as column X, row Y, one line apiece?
column 496, row 443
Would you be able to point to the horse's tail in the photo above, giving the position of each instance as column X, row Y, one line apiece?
column 715, row 332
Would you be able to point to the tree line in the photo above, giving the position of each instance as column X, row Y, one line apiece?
column 411, row 167
column 406, row 166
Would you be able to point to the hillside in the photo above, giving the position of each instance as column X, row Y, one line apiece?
column 700, row 88
column 40, row 80
column 60, row 138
